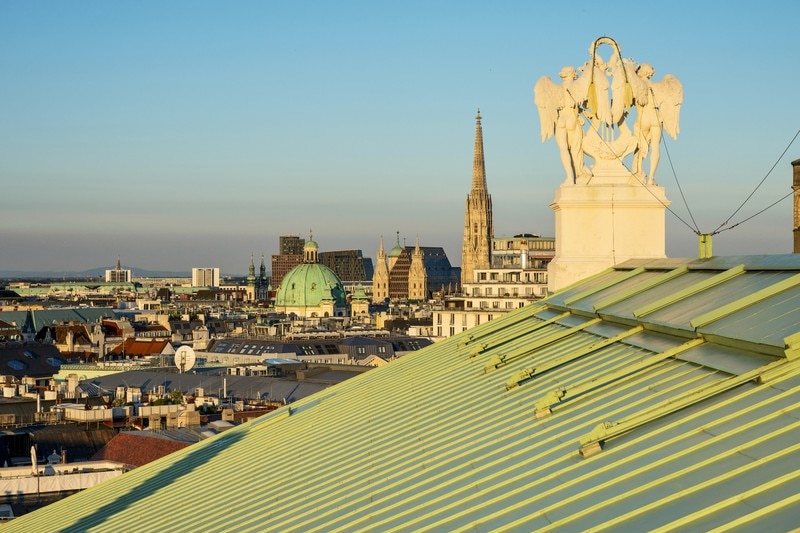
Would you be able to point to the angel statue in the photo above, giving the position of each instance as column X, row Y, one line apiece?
column 657, row 106
column 591, row 114
column 560, row 109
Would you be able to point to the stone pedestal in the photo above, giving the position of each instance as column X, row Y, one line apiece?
column 603, row 222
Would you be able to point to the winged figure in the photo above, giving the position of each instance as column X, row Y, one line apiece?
column 560, row 107
column 658, row 108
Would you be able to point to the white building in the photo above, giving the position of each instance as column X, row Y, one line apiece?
column 518, row 276
column 205, row 277
column 118, row 275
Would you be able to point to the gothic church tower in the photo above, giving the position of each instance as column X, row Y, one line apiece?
column 380, row 278
column 476, row 249
column 417, row 276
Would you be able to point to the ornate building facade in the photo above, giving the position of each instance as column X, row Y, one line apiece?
column 476, row 251
column 412, row 272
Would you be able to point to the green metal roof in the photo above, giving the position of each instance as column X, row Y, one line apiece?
column 46, row 317
column 308, row 284
column 675, row 404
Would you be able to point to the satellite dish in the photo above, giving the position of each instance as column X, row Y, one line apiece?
column 185, row 358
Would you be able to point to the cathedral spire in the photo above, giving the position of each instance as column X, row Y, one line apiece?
column 478, row 165
column 476, row 249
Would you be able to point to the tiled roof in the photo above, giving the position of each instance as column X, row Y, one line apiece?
column 137, row 448
column 133, row 347
column 658, row 395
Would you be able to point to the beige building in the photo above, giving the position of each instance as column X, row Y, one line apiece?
column 478, row 233
column 205, row 277
column 518, row 276
column 380, row 278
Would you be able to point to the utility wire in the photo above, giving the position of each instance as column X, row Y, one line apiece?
column 597, row 132
column 675, row 175
column 725, row 223
column 790, row 193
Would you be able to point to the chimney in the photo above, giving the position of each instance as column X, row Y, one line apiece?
column 796, row 189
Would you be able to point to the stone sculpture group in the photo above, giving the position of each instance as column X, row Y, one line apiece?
column 589, row 110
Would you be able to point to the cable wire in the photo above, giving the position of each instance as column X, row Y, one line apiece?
column 725, row 223
column 790, row 193
column 694, row 230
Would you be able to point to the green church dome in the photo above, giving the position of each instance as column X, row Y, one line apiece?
column 308, row 284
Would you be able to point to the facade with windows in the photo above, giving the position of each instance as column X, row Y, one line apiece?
column 518, row 276
column 205, row 277
column 119, row 274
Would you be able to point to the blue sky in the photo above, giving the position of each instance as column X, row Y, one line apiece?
column 181, row 134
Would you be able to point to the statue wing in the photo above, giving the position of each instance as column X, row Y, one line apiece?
column 547, row 96
column 640, row 87
column 668, row 98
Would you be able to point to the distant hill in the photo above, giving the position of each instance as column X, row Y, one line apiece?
column 92, row 273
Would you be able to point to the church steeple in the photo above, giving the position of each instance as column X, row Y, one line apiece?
column 476, row 248
column 417, row 276
column 251, row 273
column 380, row 277
column 478, row 165
column 381, row 251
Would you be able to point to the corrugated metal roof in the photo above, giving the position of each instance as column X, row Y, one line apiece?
column 557, row 416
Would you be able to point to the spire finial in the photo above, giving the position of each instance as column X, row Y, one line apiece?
column 478, row 165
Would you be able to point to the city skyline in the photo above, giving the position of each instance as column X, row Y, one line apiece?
column 195, row 134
